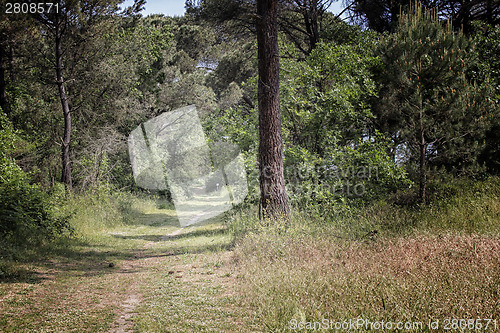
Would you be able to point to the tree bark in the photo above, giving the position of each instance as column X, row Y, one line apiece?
column 311, row 22
column 422, row 162
column 66, row 140
column 3, row 86
column 273, row 200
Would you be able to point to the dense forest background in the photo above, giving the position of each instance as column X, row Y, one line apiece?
column 394, row 106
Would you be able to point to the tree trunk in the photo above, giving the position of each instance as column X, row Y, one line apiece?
column 3, row 86
column 311, row 23
column 273, row 201
column 422, row 164
column 66, row 140
column 489, row 12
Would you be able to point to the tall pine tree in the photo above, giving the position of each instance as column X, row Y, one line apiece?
column 274, row 200
column 427, row 100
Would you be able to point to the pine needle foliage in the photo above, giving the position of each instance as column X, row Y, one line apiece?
column 432, row 106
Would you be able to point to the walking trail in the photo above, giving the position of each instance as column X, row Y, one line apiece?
column 150, row 277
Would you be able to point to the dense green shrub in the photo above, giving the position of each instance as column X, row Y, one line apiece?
column 26, row 213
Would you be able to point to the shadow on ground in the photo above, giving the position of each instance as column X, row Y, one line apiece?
column 81, row 258
column 164, row 238
column 155, row 219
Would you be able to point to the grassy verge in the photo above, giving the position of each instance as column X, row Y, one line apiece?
column 400, row 280
column 437, row 262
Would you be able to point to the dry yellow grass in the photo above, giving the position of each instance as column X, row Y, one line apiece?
column 403, row 279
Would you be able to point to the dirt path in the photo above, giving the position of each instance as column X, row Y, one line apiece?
column 133, row 279
column 124, row 323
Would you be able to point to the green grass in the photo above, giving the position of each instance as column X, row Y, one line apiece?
column 194, row 290
column 463, row 207
column 70, row 286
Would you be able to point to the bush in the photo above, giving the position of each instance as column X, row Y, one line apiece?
column 26, row 213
